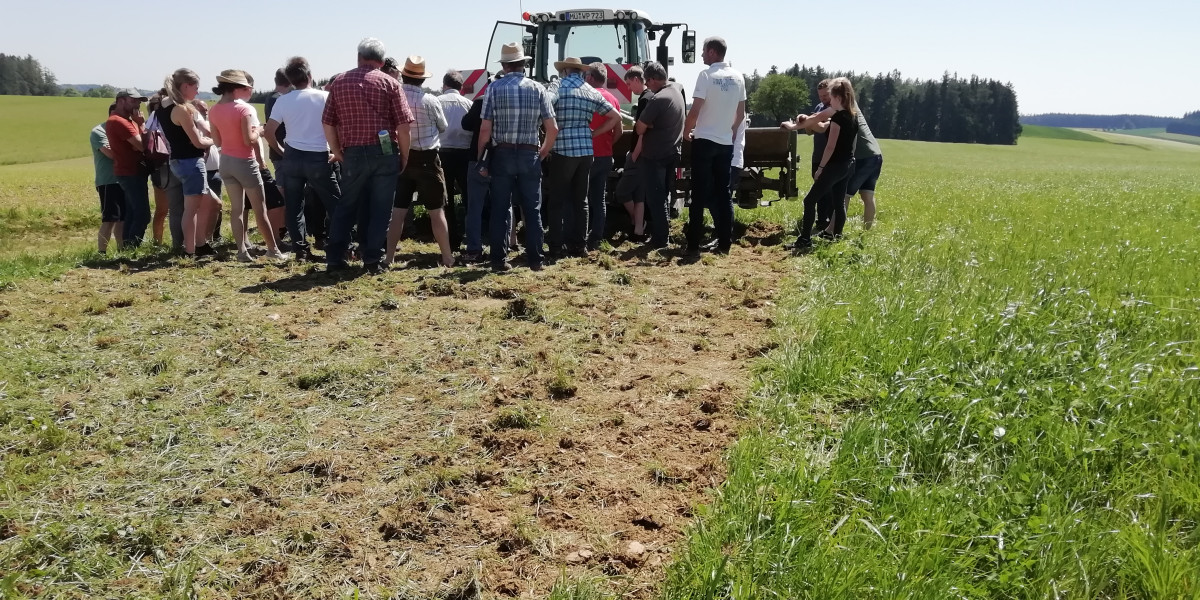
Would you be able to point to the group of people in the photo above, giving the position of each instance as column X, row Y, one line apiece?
column 351, row 159
column 846, row 160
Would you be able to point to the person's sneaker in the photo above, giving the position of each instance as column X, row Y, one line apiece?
column 337, row 268
column 536, row 267
column 710, row 246
column 802, row 249
column 205, row 250
column 828, row 236
column 551, row 258
column 302, row 255
column 376, row 268
column 577, row 252
column 244, row 257
column 277, row 255
column 502, row 267
column 721, row 250
column 470, row 258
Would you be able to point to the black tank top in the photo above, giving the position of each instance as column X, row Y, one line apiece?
column 181, row 144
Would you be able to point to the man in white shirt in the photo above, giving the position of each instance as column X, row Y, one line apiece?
column 455, row 153
column 306, row 152
column 422, row 175
column 718, row 108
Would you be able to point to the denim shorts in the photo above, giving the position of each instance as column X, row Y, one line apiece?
column 192, row 175
column 865, row 175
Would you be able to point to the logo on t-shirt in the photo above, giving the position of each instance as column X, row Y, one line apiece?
column 725, row 83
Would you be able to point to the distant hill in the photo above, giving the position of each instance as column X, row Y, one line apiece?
column 1100, row 121
column 83, row 88
column 1058, row 133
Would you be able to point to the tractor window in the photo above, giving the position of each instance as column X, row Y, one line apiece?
column 591, row 42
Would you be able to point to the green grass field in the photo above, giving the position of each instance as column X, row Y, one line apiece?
column 1161, row 134
column 991, row 394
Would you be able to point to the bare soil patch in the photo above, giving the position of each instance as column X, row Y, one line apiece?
column 277, row 432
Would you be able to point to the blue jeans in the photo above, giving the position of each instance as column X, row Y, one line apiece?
column 477, row 199
column 137, row 209
column 516, row 171
column 300, row 169
column 368, row 188
column 710, row 189
column 654, row 181
column 597, row 211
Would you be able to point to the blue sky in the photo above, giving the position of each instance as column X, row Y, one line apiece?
column 1061, row 55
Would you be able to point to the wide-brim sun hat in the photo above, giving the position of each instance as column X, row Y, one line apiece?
column 571, row 62
column 414, row 67
column 235, row 77
column 512, row 53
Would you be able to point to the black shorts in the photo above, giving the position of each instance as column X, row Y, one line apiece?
column 629, row 186
column 423, row 176
column 112, row 203
column 865, row 175
column 272, row 197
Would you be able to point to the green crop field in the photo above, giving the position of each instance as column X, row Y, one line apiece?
column 994, row 393
column 1160, row 133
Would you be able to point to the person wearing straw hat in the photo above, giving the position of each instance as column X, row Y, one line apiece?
column 575, row 103
column 235, row 130
column 422, row 174
column 513, row 109
column 366, row 122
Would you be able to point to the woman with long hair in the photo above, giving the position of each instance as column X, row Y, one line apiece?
column 236, row 130
column 834, row 169
column 159, row 180
column 178, row 120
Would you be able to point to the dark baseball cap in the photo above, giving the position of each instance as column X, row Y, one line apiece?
column 131, row 93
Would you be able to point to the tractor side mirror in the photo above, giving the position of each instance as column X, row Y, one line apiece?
column 689, row 46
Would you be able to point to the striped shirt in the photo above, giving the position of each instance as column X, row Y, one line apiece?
column 574, row 104
column 431, row 121
column 516, row 106
column 455, row 107
column 362, row 102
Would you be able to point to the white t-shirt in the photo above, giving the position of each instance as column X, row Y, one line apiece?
column 301, row 111
column 722, row 88
column 739, row 145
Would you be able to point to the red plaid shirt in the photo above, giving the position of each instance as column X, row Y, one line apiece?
column 362, row 102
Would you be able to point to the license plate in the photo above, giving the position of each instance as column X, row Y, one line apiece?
column 585, row 15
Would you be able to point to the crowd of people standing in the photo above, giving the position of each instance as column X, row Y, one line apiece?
column 351, row 158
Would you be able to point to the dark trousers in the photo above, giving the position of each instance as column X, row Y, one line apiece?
column 597, row 210
column 710, row 189
column 316, row 216
column 305, row 170
column 831, row 184
column 369, row 186
column 477, row 201
column 454, row 166
column 567, row 206
column 516, row 172
column 137, row 209
column 655, row 175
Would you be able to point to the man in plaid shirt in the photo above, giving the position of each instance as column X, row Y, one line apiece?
column 366, row 122
column 513, row 109
column 575, row 102
column 422, row 173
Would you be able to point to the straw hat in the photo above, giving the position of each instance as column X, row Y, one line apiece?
column 234, row 76
column 570, row 63
column 414, row 67
column 512, row 53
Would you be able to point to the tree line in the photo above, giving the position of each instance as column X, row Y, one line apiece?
column 952, row 109
column 1188, row 125
column 25, row 76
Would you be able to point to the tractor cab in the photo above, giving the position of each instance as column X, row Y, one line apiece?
column 617, row 38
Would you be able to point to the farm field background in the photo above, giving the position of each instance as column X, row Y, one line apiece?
column 993, row 393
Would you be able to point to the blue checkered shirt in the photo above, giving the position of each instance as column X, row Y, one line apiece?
column 575, row 102
column 516, row 106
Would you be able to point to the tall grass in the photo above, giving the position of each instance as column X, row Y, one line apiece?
column 992, row 395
